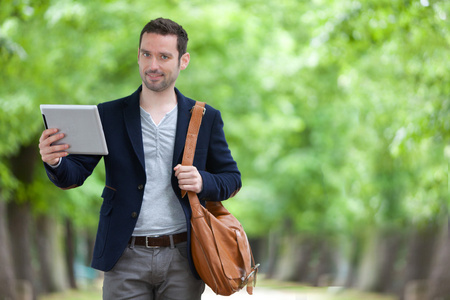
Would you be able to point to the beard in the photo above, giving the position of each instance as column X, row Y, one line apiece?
column 160, row 85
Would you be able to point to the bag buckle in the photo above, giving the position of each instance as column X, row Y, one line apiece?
column 246, row 279
column 150, row 246
column 192, row 109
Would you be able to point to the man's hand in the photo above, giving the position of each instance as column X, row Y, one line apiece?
column 51, row 154
column 189, row 179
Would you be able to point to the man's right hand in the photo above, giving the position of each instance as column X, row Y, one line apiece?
column 51, row 154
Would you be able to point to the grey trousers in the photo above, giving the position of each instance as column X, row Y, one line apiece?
column 152, row 274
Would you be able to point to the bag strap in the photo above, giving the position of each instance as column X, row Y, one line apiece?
column 191, row 139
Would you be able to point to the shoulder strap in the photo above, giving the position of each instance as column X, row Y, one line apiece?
column 191, row 139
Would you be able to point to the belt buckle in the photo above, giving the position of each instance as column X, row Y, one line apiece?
column 146, row 241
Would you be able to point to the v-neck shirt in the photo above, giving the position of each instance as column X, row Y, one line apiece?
column 161, row 212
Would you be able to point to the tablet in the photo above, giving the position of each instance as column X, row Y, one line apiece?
column 81, row 126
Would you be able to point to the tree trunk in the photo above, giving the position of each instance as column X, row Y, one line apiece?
column 323, row 274
column 381, row 250
column 70, row 253
column 20, row 236
column 356, row 251
column 286, row 265
column 7, row 274
column 51, row 279
column 272, row 254
column 20, row 218
column 389, row 248
column 22, row 165
column 302, row 259
column 420, row 253
column 439, row 287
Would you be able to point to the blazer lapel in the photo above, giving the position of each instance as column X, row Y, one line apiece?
column 184, row 116
column 132, row 117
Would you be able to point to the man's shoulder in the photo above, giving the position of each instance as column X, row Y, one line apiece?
column 186, row 99
column 111, row 104
column 191, row 102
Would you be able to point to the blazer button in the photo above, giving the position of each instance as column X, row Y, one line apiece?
column 140, row 187
column 134, row 214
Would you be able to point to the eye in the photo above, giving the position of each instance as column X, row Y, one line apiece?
column 145, row 54
column 164, row 57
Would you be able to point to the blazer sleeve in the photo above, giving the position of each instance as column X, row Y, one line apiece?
column 73, row 170
column 221, row 179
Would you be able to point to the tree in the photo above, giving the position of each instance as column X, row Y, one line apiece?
column 7, row 276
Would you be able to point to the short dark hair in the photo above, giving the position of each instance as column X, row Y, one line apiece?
column 167, row 27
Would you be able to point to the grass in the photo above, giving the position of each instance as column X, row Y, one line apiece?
column 90, row 293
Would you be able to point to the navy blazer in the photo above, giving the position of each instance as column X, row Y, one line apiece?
column 125, row 171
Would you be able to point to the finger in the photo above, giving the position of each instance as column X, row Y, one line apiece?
column 48, row 158
column 50, row 153
column 48, row 149
column 180, row 170
column 189, row 176
column 54, row 149
column 187, row 188
column 53, row 158
column 48, row 132
column 182, row 175
column 197, row 187
column 185, row 170
column 54, row 138
column 187, row 181
column 49, row 140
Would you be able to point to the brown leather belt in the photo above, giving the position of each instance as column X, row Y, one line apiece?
column 159, row 241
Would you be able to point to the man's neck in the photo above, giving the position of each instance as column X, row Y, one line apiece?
column 158, row 104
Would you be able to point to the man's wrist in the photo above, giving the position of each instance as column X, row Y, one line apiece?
column 55, row 166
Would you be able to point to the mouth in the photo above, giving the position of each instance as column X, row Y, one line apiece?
column 154, row 76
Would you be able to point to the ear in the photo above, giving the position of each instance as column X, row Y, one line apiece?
column 184, row 60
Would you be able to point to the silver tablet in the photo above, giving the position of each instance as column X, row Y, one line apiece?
column 81, row 125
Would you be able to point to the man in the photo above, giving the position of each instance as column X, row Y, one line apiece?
column 143, row 237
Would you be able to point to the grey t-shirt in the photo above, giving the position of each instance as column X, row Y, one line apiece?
column 161, row 212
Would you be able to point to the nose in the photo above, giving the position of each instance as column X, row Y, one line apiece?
column 154, row 64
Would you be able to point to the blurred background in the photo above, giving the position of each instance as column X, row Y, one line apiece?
column 337, row 113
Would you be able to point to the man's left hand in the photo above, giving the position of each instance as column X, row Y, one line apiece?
column 189, row 179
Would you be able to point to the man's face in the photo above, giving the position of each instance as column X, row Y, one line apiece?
column 159, row 66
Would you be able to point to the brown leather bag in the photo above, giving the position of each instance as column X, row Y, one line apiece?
column 220, row 248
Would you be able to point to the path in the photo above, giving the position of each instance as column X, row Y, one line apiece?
column 261, row 293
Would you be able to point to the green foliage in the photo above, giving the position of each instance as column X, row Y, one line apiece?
column 336, row 111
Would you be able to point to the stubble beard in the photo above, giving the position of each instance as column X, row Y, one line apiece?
column 157, row 86
column 161, row 86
